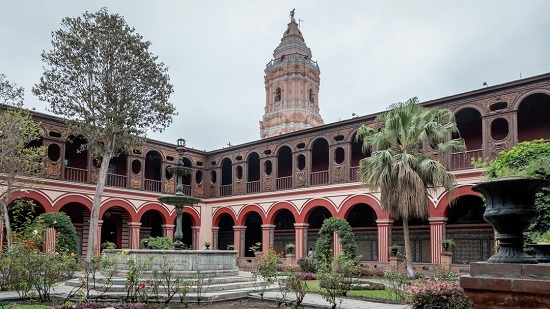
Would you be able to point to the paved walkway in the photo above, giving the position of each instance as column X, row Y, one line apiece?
column 61, row 291
column 317, row 301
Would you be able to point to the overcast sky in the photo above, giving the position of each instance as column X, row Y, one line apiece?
column 371, row 53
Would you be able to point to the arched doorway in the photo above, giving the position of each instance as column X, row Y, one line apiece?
column 115, row 227
column 419, row 232
column 362, row 219
column 253, row 232
column 533, row 114
column 151, row 224
column 284, row 230
column 284, row 168
column 80, row 217
column 319, row 162
column 315, row 219
column 468, row 121
column 474, row 238
column 225, row 232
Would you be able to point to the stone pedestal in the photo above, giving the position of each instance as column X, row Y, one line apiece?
column 499, row 285
column 394, row 263
column 291, row 259
column 446, row 260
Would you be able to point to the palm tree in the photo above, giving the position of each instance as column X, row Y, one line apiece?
column 402, row 165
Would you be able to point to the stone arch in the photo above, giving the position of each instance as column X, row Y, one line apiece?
column 445, row 199
column 151, row 223
column 192, row 212
column 310, row 205
column 246, row 210
column 154, row 206
column 517, row 102
column 219, row 212
column 276, row 207
column 38, row 196
column 279, row 147
column 532, row 115
column 373, row 202
column 110, row 203
column 73, row 198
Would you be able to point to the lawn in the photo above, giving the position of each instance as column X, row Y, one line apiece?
column 371, row 294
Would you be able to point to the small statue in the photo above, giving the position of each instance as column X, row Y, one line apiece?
column 292, row 14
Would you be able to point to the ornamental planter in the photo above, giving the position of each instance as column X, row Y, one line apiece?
column 510, row 207
column 542, row 252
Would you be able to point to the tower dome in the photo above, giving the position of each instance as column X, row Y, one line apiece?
column 292, row 86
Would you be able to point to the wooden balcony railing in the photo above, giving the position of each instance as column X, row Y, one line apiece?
column 226, row 190
column 462, row 160
column 253, row 187
column 284, row 183
column 152, row 185
column 354, row 174
column 187, row 190
column 114, row 180
column 318, row 178
column 76, row 174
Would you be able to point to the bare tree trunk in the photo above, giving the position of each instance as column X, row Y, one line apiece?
column 408, row 252
column 93, row 242
column 7, row 225
column 5, row 214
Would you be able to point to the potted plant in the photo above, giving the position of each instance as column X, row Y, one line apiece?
column 207, row 245
column 230, row 247
column 290, row 247
column 542, row 246
column 448, row 244
column 393, row 249
column 256, row 248
column 108, row 245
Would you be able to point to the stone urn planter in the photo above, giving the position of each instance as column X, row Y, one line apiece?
column 510, row 207
column 542, row 252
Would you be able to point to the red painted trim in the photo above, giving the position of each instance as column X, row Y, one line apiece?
column 115, row 202
column 73, row 198
column 444, row 201
column 310, row 205
column 219, row 212
column 154, row 207
column 277, row 207
column 244, row 212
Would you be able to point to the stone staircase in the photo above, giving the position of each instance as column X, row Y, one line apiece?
column 213, row 289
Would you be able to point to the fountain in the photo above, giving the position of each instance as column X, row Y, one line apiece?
column 179, row 199
column 186, row 263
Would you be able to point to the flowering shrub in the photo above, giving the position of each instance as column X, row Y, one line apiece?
column 308, row 265
column 23, row 267
column 265, row 268
column 436, row 293
column 308, row 276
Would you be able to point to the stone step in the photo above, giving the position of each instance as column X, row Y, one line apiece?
column 213, row 284
column 191, row 297
column 122, row 280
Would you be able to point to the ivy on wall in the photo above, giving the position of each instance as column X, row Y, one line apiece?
column 323, row 247
column 66, row 240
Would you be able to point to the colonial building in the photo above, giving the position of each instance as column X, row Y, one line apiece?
column 279, row 189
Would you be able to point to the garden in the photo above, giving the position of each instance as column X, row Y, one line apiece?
column 33, row 272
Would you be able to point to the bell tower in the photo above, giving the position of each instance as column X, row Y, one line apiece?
column 291, row 86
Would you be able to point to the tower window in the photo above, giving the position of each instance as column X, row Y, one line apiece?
column 278, row 95
column 311, row 98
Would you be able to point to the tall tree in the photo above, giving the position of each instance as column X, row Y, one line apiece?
column 402, row 165
column 103, row 80
column 20, row 162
